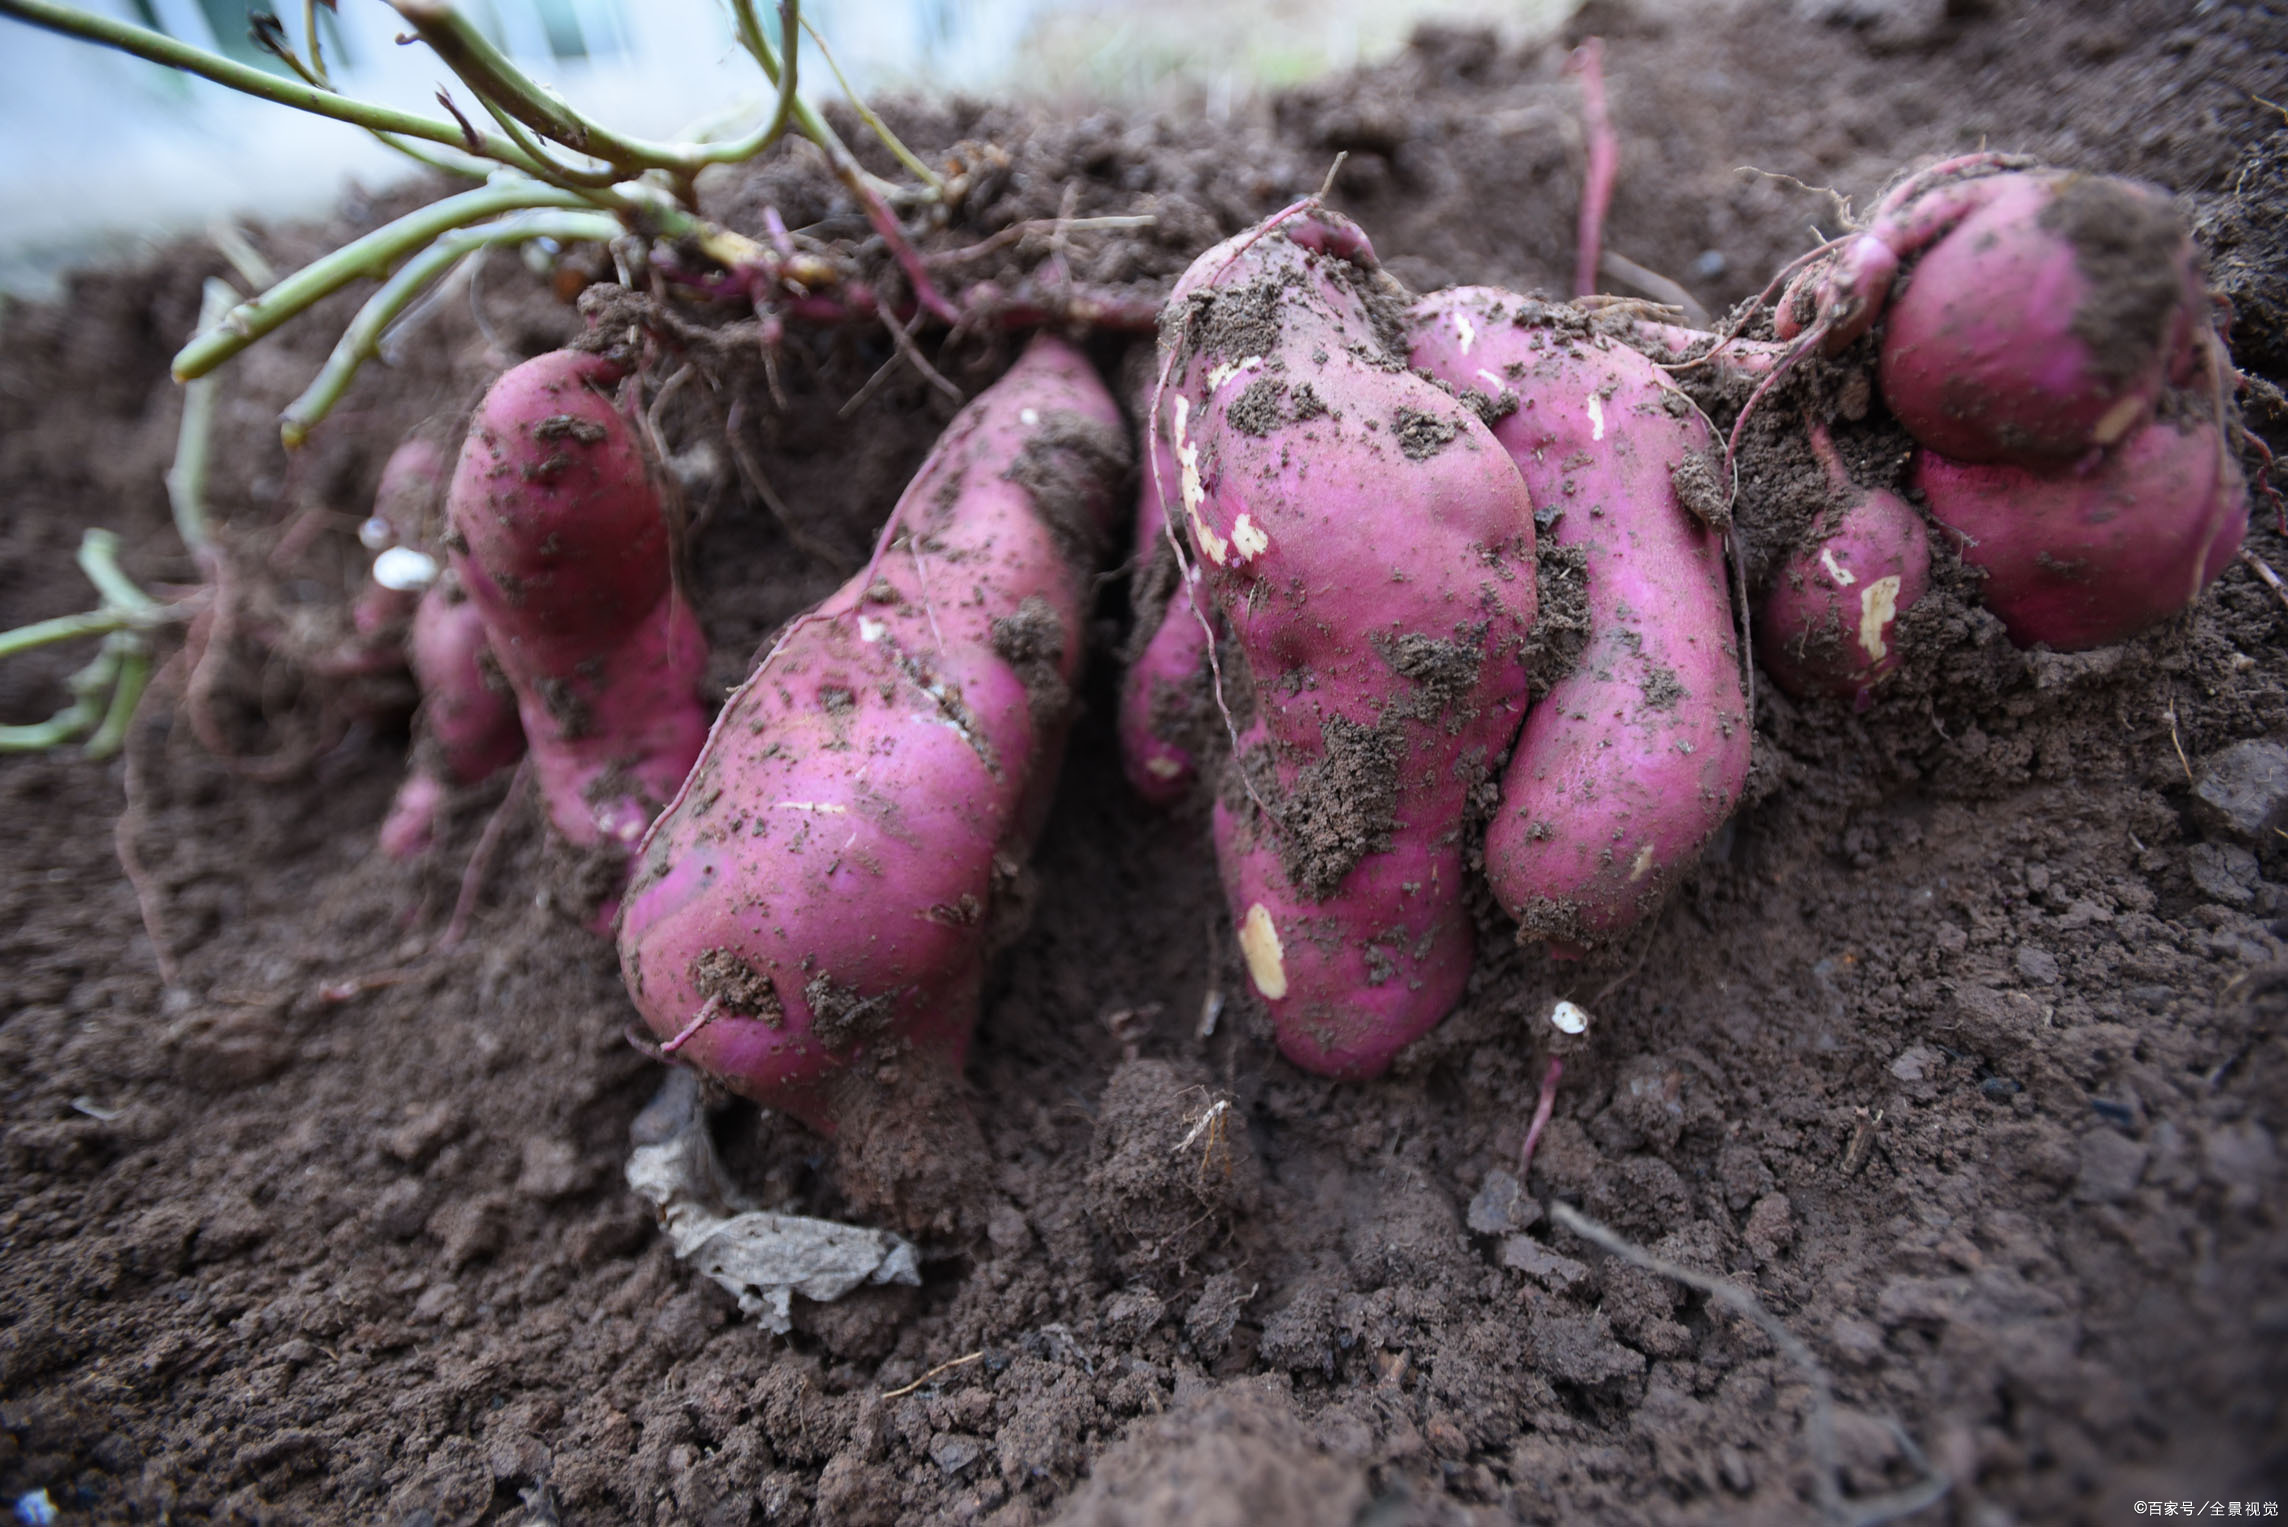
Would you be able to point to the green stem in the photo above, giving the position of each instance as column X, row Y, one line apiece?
column 63, row 629
column 552, row 169
column 99, row 559
column 126, row 694
column 814, row 127
column 361, row 341
column 490, row 73
column 187, row 478
column 734, row 149
column 881, row 129
column 85, row 710
column 371, row 255
column 159, row 48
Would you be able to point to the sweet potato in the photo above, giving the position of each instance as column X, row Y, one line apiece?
column 1829, row 619
column 410, row 482
column 2092, row 553
column 809, row 922
column 466, row 730
column 1166, row 696
column 1634, row 759
column 558, row 536
column 1370, row 548
column 2045, row 322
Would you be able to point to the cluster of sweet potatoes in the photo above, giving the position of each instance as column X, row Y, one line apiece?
column 1424, row 589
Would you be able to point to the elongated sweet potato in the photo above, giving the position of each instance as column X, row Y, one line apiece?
column 1829, row 619
column 1634, row 759
column 809, row 922
column 1370, row 548
column 559, row 538
column 2090, row 554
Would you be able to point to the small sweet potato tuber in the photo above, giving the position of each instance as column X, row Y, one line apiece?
column 1633, row 759
column 1370, row 548
column 2092, row 553
column 810, row 919
column 1166, row 696
column 559, row 538
column 466, row 730
column 1828, row 621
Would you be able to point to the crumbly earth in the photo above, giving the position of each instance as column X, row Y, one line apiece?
column 1964, row 1051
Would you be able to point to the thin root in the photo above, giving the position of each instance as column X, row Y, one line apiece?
column 942, row 1368
column 1543, row 1107
column 481, row 858
column 2263, row 570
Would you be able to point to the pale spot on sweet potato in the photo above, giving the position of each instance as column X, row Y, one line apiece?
column 2116, row 420
column 1028, row 417
column 1249, row 538
column 1836, row 570
column 1642, row 866
column 1188, row 457
column 1464, row 330
column 1266, row 957
column 823, row 808
column 1160, row 766
column 1596, row 417
column 1878, row 607
column 1230, row 369
column 869, row 629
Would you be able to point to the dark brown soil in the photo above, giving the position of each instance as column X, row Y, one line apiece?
column 1964, row 1050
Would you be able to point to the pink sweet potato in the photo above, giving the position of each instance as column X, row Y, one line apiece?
column 2045, row 322
column 1166, row 696
column 1370, row 548
column 410, row 481
column 466, row 730
column 1828, row 623
column 1635, row 758
column 2092, row 553
column 809, row 922
column 558, row 536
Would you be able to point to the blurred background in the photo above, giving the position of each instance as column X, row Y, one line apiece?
column 101, row 153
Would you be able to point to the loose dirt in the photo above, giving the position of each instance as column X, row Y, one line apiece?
column 1963, row 1051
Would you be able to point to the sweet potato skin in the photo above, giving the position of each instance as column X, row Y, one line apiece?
column 1167, row 691
column 2088, row 555
column 820, row 893
column 1828, row 625
column 467, row 728
column 1369, row 547
column 559, row 537
column 2045, row 323
column 1632, row 761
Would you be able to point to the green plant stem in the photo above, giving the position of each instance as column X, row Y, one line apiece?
column 187, row 478
column 99, row 559
column 491, row 74
column 159, row 48
column 553, row 170
column 371, row 255
column 310, row 36
column 361, row 341
column 881, row 129
column 126, row 693
column 814, row 127
column 790, row 15
column 85, row 710
column 63, row 629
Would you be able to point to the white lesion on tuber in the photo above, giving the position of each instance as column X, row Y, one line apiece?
column 1878, row 607
column 1266, row 956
